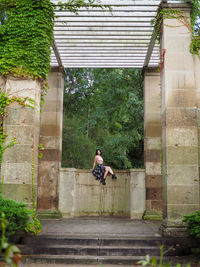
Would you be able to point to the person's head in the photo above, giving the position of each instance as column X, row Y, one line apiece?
column 98, row 151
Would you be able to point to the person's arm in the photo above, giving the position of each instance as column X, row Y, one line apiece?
column 95, row 161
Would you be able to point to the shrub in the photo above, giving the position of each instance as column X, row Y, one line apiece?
column 16, row 215
column 193, row 223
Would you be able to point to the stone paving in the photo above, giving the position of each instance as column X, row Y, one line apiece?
column 103, row 226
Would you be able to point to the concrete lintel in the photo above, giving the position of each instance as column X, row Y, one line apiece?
column 184, row 6
column 58, row 69
column 151, row 71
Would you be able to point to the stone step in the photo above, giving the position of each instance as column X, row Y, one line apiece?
column 111, row 241
column 86, row 249
column 103, row 250
column 88, row 259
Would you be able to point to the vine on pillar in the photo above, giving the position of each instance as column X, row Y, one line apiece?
column 193, row 25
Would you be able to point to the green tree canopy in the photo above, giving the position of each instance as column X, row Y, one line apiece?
column 104, row 109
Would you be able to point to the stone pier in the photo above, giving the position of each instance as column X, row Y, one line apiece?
column 179, row 124
column 21, row 122
column 152, row 143
column 51, row 139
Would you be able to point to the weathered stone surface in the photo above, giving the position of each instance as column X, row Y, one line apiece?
column 181, row 98
column 181, row 117
column 182, row 136
column 18, row 154
column 81, row 195
column 176, row 27
column 182, row 155
column 50, row 130
column 51, row 155
column 66, row 192
column 176, row 44
column 176, row 61
column 154, row 181
column 23, row 88
column 153, row 117
column 182, row 194
column 23, row 134
column 154, row 193
column 182, row 175
column 156, row 205
column 51, row 138
column 180, row 133
column 153, row 155
column 152, row 143
column 18, row 192
column 53, row 105
column 19, row 115
column 48, row 185
column 177, row 211
column 183, row 80
column 50, row 142
column 49, row 118
column 137, row 194
column 154, row 105
column 17, row 173
column 153, row 168
column 153, row 130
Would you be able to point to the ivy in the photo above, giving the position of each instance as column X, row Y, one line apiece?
column 5, row 101
column 26, row 38
column 195, row 16
column 192, row 25
column 75, row 5
column 26, row 35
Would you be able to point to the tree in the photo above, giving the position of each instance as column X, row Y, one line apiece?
column 107, row 105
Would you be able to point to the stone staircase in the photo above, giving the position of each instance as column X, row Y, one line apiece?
column 87, row 249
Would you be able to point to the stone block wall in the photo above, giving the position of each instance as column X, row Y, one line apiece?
column 51, row 139
column 180, row 83
column 152, row 143
column 81, row 195
column 21, row 122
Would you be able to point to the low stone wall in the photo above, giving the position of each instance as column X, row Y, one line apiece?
column 81, row 195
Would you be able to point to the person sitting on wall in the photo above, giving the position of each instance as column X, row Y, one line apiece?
column 101, row 172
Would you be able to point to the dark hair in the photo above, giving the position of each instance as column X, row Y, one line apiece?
column 98, row 150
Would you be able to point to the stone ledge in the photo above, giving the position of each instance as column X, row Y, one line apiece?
column 153, row 215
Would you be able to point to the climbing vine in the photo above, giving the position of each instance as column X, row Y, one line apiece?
column 26, row 38
column 5, row 100
column 26, row 35
column 192, row 25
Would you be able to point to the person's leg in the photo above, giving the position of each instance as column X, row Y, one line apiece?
column 109, row 170
column 106, row 172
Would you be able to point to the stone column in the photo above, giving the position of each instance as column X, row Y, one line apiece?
column 152, row 143
column 137, row 193
column 51, row 139
column 21, row 122
column 179, row 125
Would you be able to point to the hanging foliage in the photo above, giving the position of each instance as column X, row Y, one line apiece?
column 26, row 35
column 193, row 25
column 26, row 38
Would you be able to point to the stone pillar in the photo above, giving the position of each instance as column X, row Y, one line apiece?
column 137, row 193
column 51, row 139
column 197, row 80
column 152, row 143
column 179, row 125
column 21, row 122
